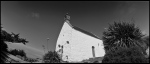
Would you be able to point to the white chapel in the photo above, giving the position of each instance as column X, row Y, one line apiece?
column 75, row 44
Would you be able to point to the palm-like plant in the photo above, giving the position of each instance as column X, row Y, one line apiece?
column 18, row 52
column 121, row 34
column 146, row 40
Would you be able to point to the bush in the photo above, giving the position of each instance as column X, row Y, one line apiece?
column 4, row 52
column 30, row 59
column 96, row 62
column 18, row 52
column 51, row 57
column 122, row 34
column 125, row 55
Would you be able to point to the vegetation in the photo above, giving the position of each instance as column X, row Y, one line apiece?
column 4, row 37
column 30, row 60
column 124, row 43
column 7, row 37
column 51, row 57
column 122, row 34
column 18, row 52
column 146, row 40
column 125, row 55
column 3, row 51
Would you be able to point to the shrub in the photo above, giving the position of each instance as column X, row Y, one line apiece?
column 125, row 55
column 30, row 59
column 122, row 34
column 51, row 57
column 96, row 61
column 4, row 52
column 18, row 52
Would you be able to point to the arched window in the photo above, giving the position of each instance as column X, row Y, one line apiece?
column 92, row 46
column 93, row 51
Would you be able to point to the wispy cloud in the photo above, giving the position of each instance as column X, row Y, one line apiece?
column 35, row 15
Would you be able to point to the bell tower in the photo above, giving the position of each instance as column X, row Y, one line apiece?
column 67, row 17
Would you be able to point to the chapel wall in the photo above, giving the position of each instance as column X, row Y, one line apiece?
column 77, row 45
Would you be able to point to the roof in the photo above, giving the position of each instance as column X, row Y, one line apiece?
column 83, row 31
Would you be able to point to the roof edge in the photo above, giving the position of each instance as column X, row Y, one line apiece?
column 81, row 30
column 69, row 23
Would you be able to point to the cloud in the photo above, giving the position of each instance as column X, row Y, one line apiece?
column 35, row 15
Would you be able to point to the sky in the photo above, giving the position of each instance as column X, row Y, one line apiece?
column 30, row 51
column 38, row 20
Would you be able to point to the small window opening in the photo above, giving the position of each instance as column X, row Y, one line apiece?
column 67, row 42
column 92, row 46
column 67, row 57
column 59, row 46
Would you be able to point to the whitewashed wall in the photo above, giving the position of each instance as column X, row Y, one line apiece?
column 80, row 44
column 65, row 35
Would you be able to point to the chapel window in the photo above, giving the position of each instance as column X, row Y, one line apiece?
column 59, row 46
column 67, row 57
column 67, row 42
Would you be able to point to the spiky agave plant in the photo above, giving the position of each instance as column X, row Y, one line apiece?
column 121, row 34
column 51, row 57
